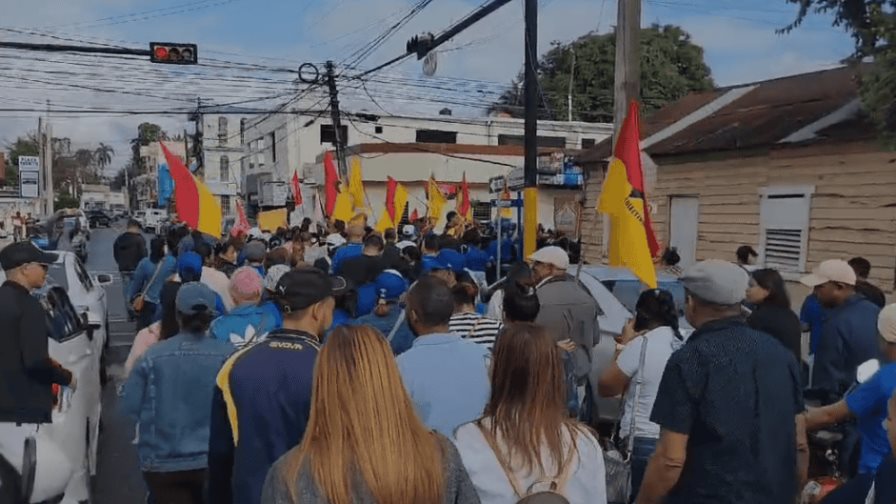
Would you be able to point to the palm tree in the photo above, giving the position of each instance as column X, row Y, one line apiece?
column 84, row 157
column 103, row 155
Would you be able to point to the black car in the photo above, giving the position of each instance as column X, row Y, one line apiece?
column 98, row 218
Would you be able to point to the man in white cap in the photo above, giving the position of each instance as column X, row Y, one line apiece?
column 566, row 307
column 849, row 335
column 867, row 404
column 729, row 406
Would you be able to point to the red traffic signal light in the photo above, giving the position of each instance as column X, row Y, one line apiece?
column 173, row 54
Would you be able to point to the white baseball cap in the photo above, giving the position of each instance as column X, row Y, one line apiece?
column 833, row 270
column 551, row 255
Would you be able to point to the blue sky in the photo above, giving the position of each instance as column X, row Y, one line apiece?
column 738, row 37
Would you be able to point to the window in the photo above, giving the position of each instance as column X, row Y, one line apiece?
column 274, row 147
column 482, row 211
column 377, row 129
column 784, row 228
column 543, row 141
column 588, row 143
column 436, row 136
column 224, row 168
column 63, row 320
column 83, row 275
column 225, row 204
column 328, row 134
column 222, row 130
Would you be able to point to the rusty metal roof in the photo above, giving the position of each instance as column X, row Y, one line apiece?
column 761, row 118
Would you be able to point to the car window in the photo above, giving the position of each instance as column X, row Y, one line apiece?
column 628, row 292
column 57, row 275
column 83, row 275
column 63, row 322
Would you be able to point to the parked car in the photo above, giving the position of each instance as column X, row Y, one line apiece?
column 73, row 238
column 154, row 220
column 99, row 218
column 616, row 291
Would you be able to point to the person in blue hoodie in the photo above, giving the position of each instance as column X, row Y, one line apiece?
column 249, row 321
column 149, row 277
column 388, row 317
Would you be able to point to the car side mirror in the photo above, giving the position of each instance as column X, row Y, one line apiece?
column 104, row 279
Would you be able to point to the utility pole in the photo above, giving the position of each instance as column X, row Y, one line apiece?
column 572, row 76
column 530, row 147
column 47, row 166
column 627, row 80
column 337, row 122
column 197, row 139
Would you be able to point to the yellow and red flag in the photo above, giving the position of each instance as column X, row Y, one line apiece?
column 196, row 205
column 624, row 203
column 436, row 201
column 464, row 205
column 396, row 201
column 356, row 186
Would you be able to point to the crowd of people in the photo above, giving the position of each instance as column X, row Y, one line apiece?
column 347, row 365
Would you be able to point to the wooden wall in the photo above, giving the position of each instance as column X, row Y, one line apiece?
column 853, row 208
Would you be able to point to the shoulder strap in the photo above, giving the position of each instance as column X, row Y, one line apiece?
column 492, row 443
column 638, row 382
column 395, row 327
column 154, row 276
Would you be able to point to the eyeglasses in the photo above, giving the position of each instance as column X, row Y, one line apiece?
column 45, row 267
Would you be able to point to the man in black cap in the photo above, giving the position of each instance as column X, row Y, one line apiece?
column 27, row 373
column 262, row 401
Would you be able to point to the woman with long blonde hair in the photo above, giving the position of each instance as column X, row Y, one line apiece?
column 364, row 442
column 526, row 442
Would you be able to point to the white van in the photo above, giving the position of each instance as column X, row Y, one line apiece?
column 152, row 221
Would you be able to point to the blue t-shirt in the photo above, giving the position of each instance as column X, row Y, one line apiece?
column 477, row 259
column 813, row 313
column 869, row 404
column 344, row 252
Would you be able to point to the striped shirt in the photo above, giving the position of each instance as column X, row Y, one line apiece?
column 476, row 328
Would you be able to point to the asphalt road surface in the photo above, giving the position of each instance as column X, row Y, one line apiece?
column 118, row 478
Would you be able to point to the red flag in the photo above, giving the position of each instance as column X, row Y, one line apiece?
column 296, row 189
column 186, row 194
column 242, row 223
column 415, row 216
column 331, row 182
column 391, row 186
column 628, row 150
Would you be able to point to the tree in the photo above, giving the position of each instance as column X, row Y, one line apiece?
column 671, row 67
column 872, row 24
column 147, row 133
column 27, row 145
column 103, row 155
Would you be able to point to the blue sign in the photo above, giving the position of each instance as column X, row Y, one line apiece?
column 166, row 186
column 510, row 203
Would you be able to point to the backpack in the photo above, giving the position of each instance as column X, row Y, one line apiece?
column 554, row 495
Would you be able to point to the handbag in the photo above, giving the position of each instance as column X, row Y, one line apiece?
column 616, row 463
column 139, row 301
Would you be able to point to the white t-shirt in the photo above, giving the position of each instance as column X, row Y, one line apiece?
column 662, row 342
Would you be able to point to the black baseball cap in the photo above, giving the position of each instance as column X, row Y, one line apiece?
column 19, row 254
column 305, row 286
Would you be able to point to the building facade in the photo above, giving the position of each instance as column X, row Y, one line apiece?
column 222, row 153
column 146, row 186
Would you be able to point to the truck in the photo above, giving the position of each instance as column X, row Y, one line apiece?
column 153, row 219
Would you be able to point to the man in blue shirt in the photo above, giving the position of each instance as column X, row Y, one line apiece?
column 263, row 395
column 849, row 335
column 353, row 248
column 446, row 376
column 867, row 404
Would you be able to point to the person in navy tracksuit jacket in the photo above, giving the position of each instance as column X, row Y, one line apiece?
column 263, row 395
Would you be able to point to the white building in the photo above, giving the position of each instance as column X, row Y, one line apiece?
column 222, row 152
column 277, row 145
column 101, row 197
column 146, row 185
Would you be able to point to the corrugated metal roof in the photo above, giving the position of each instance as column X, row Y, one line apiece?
column 760, row 118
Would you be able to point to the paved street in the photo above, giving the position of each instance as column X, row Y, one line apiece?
column 118, row 479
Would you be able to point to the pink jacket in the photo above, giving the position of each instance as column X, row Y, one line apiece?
column 146, row 338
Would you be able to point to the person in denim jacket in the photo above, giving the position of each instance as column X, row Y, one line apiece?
column 148, row 279
column 165, row 392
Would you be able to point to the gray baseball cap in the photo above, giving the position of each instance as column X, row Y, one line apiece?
column 716, row 281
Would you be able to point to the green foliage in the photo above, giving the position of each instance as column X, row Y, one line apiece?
column 66, row 200
column 872, row 24
column 147, row 133
column 27, row 145
column 671, row 67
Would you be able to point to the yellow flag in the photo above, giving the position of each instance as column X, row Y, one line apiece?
column 628, row 236
column 210, row 219
column 506, row 213
column 343, row 210
column 384, row 223
column 272, row 219
column 436, row 203
column 401, row 201
column 356, row 185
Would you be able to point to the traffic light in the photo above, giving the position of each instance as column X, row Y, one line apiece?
column 173, row 54
column 420, row 44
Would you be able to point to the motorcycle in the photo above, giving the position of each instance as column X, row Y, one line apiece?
column 826, row 445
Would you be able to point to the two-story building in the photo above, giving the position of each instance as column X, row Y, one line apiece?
column 222, row 153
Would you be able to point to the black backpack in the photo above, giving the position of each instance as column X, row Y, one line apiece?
column 553, row 495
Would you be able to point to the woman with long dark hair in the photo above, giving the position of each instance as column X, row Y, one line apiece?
column 526, row 442
column 646, row 343
column 520, row 272
column 773, row 314
column 166, row 393
column 364, row 443
column 146, row 286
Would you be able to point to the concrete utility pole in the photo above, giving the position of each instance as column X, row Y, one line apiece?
column 530, row 147
column 627, row 85
column 337, row 121
column 572, row 77
column 197, row 139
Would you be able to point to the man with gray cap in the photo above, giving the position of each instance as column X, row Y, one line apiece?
column 849, row 334
column 729, row 405
column 263, row 398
